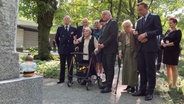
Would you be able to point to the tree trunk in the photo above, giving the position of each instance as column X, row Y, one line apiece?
column 119, row 10
column 111, row 5
column 43, row 41
column 44, row 19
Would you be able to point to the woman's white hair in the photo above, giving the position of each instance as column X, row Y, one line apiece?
column 89, row 29
column 127, row 22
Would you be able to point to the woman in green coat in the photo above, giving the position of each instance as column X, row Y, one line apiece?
column 127, row 52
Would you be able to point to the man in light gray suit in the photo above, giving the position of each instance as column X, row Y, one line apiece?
column 109, row 46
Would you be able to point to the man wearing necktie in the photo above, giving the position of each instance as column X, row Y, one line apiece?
column 66, row 27
column 64, row 40
column 148, row 27
column 108, row 45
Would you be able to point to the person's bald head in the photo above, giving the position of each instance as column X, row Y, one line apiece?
column 67, row 20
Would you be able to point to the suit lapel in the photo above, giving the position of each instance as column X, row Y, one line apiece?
column 147, row 19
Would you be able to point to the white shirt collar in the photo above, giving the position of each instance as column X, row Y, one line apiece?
column 108, row 21
column 146, row 16
column 68, row 26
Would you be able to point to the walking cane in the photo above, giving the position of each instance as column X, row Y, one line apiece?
column 119, row 66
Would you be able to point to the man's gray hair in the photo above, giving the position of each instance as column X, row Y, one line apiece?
column 107, row 12
column 85, row 19
column 96, row 21
column 67, row 16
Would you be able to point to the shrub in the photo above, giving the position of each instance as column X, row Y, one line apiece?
column 33, row 51
column 22, row 57
column 49, row 69
column 54, row 57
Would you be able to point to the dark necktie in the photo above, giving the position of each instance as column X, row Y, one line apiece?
column 143, row 20
column 66, row 28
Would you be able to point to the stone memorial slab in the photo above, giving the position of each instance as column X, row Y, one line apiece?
column 23, row 90
column 13, row 88
column 9, row 59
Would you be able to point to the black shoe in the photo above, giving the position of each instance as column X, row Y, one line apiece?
column 131, row 90
column 139, row 93
column 148, row 97
column 60, row 82
column 104, row 83
column 106, row 90
column 127, row 88
column 102, row 87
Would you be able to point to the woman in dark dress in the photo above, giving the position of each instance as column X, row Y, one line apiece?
column 171, row 46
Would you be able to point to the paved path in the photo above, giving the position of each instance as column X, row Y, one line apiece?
column 77, row 94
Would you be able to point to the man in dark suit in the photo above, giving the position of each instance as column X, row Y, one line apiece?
column 64, row 40
column 148, row 27
column 108, row 46
column 80, row 28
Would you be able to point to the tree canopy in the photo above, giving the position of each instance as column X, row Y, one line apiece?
column 41, row 11
column 91, row 9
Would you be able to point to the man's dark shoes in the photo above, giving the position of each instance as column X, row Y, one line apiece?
column 148, row 97
column 106, row 90
column 139, row 93
column 102, row 86
column 60, row 82
column 127, row 88
column 131, row 90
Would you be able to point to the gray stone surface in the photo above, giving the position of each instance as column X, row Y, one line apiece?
column 14, row 89
column 77, row 94
column 23, row 90
column 9, row 61
column 9, row 66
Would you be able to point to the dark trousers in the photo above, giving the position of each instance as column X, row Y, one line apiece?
column 63, row 59
column 146, row 68
column 108, row 62
column 159, row 59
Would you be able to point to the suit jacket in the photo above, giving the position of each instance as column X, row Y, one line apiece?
column 64, row 40
column 152, row 27
column 79, row 31
column 109, row 37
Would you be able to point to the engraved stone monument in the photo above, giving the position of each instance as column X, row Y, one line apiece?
column 14, row 89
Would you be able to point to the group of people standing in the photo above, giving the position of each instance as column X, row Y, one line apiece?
column 137, row 47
